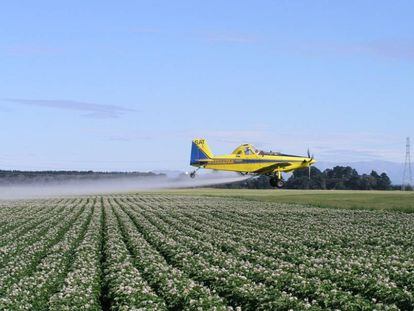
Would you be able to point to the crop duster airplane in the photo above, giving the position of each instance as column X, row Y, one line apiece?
column 246, row 159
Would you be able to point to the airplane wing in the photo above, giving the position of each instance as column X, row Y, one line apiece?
column 272, row 167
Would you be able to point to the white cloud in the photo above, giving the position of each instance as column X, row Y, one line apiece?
column 90, row 109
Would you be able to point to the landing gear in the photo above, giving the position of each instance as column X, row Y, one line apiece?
column 277, row 181
column 193, row 173
column 280, row 183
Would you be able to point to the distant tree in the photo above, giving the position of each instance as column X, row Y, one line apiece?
column 300, row 179
column 340, row 178
column 346, row 175
column 368, row 182
column 384, row 182
column 340, row 186
column 408, row 188
column 374, row 174
column 25, row 177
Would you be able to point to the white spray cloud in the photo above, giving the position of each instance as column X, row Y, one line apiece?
column 112, row 185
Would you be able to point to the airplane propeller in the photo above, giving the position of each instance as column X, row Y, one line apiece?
column 309, row 166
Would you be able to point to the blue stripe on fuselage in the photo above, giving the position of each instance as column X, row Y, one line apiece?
column 239, row 161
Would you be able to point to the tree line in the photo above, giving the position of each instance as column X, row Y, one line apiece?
column 338, row 178
column 11, row 177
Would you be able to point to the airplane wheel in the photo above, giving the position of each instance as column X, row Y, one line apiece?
column 280, row 183
column 273, row 182
column 192, row 174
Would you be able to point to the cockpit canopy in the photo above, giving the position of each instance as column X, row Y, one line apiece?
column 248, row 149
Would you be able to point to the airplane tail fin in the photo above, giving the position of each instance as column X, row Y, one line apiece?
column 200, row 151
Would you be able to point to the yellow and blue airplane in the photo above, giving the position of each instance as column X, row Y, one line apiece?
column 246, row 159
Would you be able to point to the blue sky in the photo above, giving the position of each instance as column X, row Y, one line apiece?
column 126, row 85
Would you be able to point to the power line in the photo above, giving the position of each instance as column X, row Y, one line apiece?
column 407, row 174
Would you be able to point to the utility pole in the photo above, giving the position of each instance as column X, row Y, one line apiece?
column 407, row 181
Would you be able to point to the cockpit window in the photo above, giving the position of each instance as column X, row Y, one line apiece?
column 248, row 151
column 261, row 152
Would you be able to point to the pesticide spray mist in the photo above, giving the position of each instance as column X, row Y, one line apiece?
column 112, row 185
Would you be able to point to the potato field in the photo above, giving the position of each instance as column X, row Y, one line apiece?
column 182, row 252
